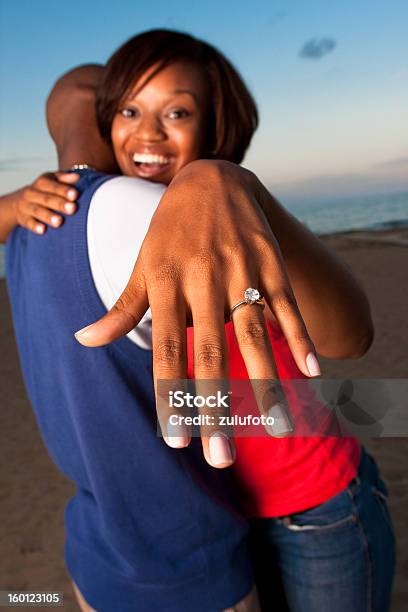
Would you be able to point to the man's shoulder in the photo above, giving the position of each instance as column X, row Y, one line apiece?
column 90, row 181
column 122, row 188
column 122, row 199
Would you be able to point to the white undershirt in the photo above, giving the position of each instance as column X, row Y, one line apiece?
column 119, row 216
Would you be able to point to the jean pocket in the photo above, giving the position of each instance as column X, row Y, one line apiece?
column 334, row 513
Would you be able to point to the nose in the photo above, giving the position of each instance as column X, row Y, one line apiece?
column 150, row 129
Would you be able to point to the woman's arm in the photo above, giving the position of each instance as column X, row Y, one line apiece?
column 333, row 304
column 71, row 120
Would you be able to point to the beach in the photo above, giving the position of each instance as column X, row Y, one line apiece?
column 33, row 493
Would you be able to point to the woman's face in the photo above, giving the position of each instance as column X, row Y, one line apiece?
column 160, row 126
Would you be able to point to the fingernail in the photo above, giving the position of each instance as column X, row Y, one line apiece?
column 39, row 229
column 55, row 220
column 82, row 332
column 69, row 207
column 313, row 365
column 177, row 435
column 71, row 194
column 282, row 423
column 220, row 448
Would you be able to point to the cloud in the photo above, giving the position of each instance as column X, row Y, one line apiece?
column 316, row 48
column 393, row 163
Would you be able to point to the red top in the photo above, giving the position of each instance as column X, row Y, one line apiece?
column 281, row 476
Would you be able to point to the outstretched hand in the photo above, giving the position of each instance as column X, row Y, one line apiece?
column 208, row 241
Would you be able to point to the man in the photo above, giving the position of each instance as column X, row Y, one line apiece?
column 149, row 527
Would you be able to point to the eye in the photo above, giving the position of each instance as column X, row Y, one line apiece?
column 178, row 113
column 128, row 112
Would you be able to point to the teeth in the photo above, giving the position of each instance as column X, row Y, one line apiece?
column 147, row 158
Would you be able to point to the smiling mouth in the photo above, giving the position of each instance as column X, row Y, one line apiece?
column 148, row 164
column 149, row 158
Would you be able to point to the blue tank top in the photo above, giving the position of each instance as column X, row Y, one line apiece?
column 150, row 527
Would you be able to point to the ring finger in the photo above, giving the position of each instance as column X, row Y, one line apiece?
column 256, row 350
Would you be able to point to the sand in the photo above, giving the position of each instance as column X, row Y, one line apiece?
column 33, row 493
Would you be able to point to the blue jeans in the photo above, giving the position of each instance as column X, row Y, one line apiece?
column 336, row 557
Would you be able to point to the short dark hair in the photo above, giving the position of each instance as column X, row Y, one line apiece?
column 233, row 116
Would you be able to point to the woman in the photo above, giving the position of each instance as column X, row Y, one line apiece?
column 303, row 496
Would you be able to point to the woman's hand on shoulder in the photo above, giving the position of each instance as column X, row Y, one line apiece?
column 43, row 202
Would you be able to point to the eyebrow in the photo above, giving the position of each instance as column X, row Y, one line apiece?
column 186, row 91
column 176, row 91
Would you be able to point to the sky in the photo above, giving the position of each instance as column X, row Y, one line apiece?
column 330, row 79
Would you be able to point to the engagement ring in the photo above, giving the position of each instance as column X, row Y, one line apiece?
column 251, row 296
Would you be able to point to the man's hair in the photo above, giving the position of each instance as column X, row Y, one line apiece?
column 233, row 116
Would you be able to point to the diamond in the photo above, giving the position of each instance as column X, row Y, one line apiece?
column 251, row 295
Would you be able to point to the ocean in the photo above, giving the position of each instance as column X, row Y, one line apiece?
column 373, row 212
